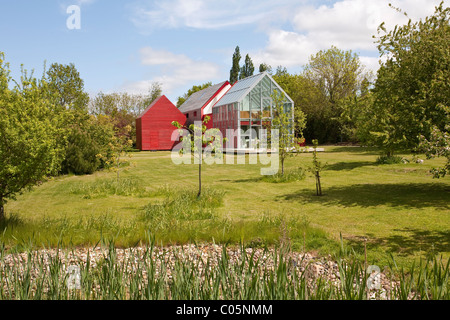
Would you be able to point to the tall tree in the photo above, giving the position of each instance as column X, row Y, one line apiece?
column 154, row 93
column 247, row 69
column 235, row 69
column 412, row 89
column 337, row 74
column 29, row 150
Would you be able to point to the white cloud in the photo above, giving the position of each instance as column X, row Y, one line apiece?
column 295, row 30
column 285, row 48
column 175, row 70
column 346, row 24
column 206, row 14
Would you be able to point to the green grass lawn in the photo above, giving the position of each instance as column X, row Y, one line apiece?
column 399, row 208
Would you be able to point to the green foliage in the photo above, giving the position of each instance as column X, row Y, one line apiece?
column 316, row 168
column 65, row 82
column 247, row 69
column 438, row 145
column 294, row 86
column 265, row 67
column 81, row 155
column 122, row 109
column 332, row 77
column 154, row 93
column 236, row 273
column 29, row 149
column 383, row 159
column 88, row 145
column 196, row 139
column 191, row 91
column 288, row 176
column 412, row 88
column 283, row 122
column 235, row 69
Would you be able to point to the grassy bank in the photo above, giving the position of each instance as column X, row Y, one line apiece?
column 393, row 209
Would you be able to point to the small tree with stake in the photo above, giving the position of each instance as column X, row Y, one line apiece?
column 317, row 168
column 283, row 122
column 197, row 139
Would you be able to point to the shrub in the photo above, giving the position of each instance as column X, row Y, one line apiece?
column 89, row 146
column 81, row 153
column 389, row 159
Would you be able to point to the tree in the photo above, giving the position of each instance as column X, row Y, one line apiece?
column 122, row 109
column 354, row 114
column 265, row 67
column 90, row 144
column 305, row 99
column 191, row 91
column 29, row 150
column 283, row 122
column 66, row 83
column 235, row 69
column 317, row 168
column 412, row 89
column 197, row 139
column 247, row 69
column 154, row 93
column 81, row 149
column 336, row 76
column 438, row 145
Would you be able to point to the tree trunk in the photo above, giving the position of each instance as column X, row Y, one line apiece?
column 282, row 167
column 390, row 153
column 318, row 186
column 199, row 180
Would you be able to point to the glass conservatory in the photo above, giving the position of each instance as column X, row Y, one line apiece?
column 247, row 109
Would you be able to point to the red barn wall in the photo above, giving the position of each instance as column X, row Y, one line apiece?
column 155, row 126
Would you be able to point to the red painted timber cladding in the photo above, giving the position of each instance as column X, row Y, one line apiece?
column 154, row 128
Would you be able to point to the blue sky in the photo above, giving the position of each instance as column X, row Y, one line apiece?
column 128, row 45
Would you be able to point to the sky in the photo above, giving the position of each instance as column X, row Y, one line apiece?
column 120, row 46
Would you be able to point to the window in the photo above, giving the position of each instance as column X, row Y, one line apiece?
column 187, row 115
column 195, row 113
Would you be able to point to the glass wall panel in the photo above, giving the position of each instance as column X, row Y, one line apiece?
column 245, row 108
column 266, row 107
column 245, row 104
column 265, row 87
column 255, row 102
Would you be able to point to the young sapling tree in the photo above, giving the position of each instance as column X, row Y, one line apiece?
column 199, row 136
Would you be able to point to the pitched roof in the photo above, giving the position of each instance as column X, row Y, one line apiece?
column 198, row 99
column 163, row 97
column 243, row 87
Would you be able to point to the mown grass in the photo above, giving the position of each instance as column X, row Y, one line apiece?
column 397, row 208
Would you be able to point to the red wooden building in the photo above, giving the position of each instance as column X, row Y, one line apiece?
column 154, row 127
